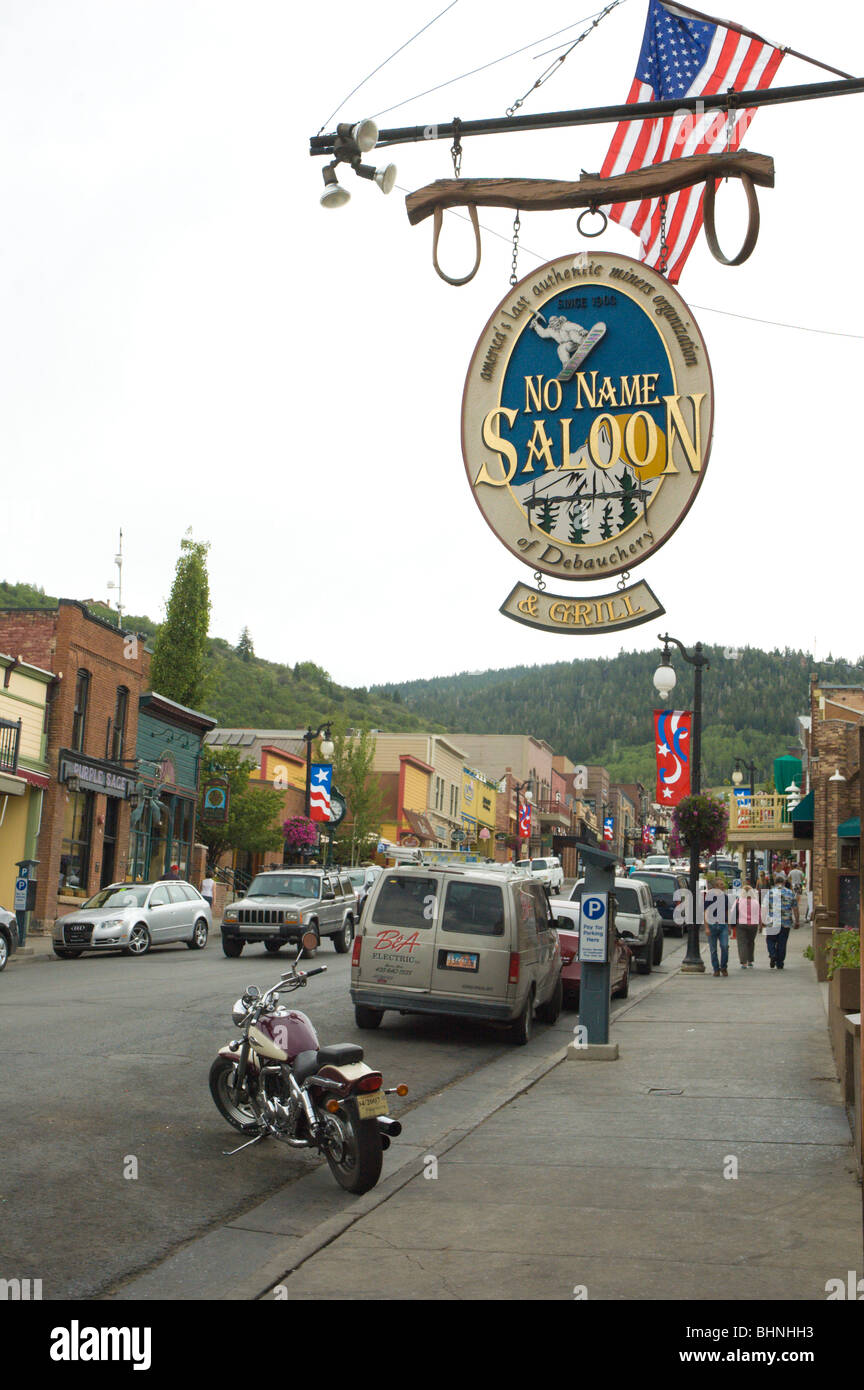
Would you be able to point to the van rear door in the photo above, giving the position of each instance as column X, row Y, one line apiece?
column 399, row 937
column 472, row 946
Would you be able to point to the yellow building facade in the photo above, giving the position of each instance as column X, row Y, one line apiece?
column 23, row 766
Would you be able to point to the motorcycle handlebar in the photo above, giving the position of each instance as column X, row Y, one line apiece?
column 319, row 970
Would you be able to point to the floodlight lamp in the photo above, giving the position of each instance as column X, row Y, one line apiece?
column 385, row 178
column 334, row 195
column 838, row 776
column 363, row 134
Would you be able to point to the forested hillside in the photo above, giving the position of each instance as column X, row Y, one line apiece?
column 600, row 710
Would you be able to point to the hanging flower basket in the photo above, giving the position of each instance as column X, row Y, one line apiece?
column 299, row 833
column 700, row 822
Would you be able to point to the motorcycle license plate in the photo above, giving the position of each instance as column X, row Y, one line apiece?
column 369, row 1106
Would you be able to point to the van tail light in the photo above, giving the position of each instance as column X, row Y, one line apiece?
column 370, row 1082
column 513, row 977
column 355, row 954
column 643, row 925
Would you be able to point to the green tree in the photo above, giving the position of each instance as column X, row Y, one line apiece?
column 244, row 646
column 254, row 813
column 353, row 775
column 179, row 666
column 629, row 510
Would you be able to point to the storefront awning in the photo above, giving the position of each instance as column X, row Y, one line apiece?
column 804, row 809
column 850, row 829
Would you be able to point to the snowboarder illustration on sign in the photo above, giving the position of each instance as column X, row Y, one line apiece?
column 574, row 341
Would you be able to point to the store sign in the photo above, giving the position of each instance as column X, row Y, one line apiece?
column 96, row 777
column 215, row 802
column 587, row 418
column 601, row 613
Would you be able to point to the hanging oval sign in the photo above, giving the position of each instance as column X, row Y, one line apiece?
column 587, row 416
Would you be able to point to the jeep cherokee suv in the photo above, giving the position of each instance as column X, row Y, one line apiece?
column 282, row 904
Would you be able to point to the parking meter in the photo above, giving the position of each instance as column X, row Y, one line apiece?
column 596, row 943
column 25, row 895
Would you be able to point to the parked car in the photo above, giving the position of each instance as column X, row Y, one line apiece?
column 458, row 940
column 132, row 917
column 8, row 936
column 361, row 881
column 549, row 872
column 637, row 919
column 663, row 888
column 724, row 864
column 282, row 904
column 657, row 861
column 567, row 922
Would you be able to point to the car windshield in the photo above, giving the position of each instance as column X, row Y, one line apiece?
column 126, row 895
column 356, row 878
column 539, row 864
column 285, row 886
column 663, row 884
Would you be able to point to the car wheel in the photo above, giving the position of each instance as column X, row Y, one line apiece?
column 231, row 947
column 658, row 948
column 367, row 1017
column 523, row 1029
column 551, row 1010
column 643, row 963
column 273, row 946
column 139, row 941
column 342, row 940
column 4, row 952
column 66, row 954
column 199, row 936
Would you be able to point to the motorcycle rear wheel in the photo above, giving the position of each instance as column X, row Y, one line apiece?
column 232, row 1106
column 358, row 1153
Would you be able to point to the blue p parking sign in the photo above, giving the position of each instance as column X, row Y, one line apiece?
column 593, row 923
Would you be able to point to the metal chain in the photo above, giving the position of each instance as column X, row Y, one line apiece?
column 664, row 249
column 541, row 582
column 456, row 147
column 514, row 278
column 622, row 582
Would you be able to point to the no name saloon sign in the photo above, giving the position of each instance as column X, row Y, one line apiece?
column 587, row 416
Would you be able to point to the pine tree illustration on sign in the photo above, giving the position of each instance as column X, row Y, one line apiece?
column 606, row 523
column 547, row 515
column 576, row 533
column 629, row 510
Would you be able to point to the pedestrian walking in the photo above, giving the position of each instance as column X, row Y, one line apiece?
column 748, row 921
column 208, row 887
column 779, row 915
column 796, row 878
column 717, row 925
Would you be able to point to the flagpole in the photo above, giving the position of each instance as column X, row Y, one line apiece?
column 600, row 115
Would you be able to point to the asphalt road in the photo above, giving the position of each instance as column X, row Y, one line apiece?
column 104, row 1074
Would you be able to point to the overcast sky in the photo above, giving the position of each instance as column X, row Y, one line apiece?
column 189, row 339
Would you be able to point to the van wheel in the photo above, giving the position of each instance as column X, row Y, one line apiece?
column 523, row 1028
column 367, row 1017
column 551, row 1010
column 658, row 948
column 624, row 987
column 643, row 963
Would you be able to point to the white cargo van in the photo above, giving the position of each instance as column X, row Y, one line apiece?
column 471, row 942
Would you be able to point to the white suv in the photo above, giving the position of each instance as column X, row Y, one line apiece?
column 549, row 872
column 637, row 920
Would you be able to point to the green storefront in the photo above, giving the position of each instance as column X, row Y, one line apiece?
column 168, row 752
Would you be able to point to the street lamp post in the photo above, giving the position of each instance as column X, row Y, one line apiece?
column 326, row 752
column 529, row 797
column 664, row 682
column 742, row 766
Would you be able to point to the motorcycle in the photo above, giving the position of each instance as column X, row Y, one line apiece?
column 276, row 1080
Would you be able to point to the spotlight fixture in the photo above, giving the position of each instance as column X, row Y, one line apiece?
column 334, row 195
column 363, row 135
column 385, row 178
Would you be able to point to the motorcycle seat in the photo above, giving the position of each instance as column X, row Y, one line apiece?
column 340, row 1055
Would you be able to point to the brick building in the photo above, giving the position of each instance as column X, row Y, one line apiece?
column 91, row 727
column 836, row 715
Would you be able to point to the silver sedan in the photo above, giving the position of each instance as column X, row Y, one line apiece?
column 132, row 917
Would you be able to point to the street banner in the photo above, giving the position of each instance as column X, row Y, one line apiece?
column 672, row 729
column 745, row 809
column 319, row 799
column 525, row 821
column 216, row 801
column 609, row 828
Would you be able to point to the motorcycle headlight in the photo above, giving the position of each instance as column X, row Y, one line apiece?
column 238, row 1012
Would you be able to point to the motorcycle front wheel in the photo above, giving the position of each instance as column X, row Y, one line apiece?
column 233, row 1105
column 354, row 1150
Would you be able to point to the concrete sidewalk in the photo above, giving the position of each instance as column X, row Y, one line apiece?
column 713, row 1160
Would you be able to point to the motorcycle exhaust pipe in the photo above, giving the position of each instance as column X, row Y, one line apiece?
column 390, row 1128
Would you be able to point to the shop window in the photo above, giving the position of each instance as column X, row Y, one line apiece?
column 75, row 845
column 79, row 714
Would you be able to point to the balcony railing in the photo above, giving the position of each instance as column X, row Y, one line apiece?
column 768, row 811
column 10, row 740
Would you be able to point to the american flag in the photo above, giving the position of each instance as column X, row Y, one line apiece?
column 319, row 796
column 684, row 54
